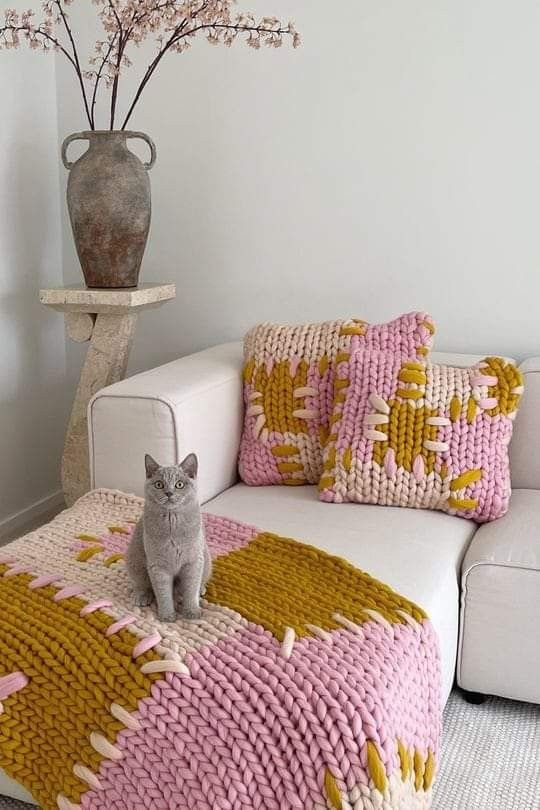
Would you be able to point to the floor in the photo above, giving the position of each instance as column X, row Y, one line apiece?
column 30, row 526
column 490, row 757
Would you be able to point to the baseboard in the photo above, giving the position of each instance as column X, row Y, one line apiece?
column 44, row 508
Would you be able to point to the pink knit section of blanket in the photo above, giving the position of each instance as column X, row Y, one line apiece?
column 248, row 729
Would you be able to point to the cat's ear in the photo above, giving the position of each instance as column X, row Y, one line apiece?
column 151, row 466
column 190, row 465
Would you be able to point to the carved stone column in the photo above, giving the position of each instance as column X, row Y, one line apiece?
column 107, row 319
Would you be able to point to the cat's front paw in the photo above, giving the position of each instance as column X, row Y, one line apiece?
column 143, row 598
column 167, row 617
column 192, row 614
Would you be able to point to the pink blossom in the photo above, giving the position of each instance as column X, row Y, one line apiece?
column 173, row 24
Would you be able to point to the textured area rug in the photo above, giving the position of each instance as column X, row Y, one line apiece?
column 490, row 758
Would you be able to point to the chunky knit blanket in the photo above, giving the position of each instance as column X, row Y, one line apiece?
column 306, row 685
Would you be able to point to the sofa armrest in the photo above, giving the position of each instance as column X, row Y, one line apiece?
column 499, row 646
column 192, row 404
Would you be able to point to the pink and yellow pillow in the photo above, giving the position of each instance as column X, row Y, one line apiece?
column 422, row 435
column 289, row 389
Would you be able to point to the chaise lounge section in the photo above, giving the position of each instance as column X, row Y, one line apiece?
column 195, row 403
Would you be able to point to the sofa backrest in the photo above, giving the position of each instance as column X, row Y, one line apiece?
column 525, row 445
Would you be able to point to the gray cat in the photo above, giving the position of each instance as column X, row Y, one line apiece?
column 168, row 550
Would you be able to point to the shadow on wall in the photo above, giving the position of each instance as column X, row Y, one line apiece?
column 33, row 402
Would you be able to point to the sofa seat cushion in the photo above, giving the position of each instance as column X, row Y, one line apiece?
column 500, row 613
column 417, row 553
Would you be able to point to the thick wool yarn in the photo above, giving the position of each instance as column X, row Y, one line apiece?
column 422, row 435
column 306, row 685
column 289, row 389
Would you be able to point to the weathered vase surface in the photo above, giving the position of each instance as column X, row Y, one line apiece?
column 109, row 203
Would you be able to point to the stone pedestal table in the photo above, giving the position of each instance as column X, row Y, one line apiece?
column 105, row 318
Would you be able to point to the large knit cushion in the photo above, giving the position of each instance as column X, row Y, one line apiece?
column 289, row 389
column 422, row 435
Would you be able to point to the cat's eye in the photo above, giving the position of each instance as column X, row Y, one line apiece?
column 179, row 485
column 159, row 485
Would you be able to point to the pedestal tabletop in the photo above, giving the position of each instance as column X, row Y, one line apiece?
column 107, row 319
column 79, row 298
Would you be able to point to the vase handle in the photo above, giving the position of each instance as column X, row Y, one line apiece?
column 77, row 136
column 151, row 144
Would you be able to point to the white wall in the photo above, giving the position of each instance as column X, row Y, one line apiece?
column 391, row 163
column 33, row 400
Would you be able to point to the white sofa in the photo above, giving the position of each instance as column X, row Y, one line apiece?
column 195, row 403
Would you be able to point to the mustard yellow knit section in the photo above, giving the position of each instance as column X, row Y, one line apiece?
column 415, row 766
column 247, row 371
column 356, row 327
column 429, row 771
column 455, row 409
column 332, row 791
column 465, row 479
column 405, row 759
column 407, row 429
column 472, row 410
column 284, row 450
column 509, row 378
column 376, row 767
column 256, row 581
column 75, row 672
column 278, row 400
column 89, row 552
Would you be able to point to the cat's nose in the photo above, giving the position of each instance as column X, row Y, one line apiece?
column 168, row 493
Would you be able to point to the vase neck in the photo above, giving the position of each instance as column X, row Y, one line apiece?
column 106, row 134
column 106, row 140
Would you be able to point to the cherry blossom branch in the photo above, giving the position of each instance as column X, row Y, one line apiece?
column 155, row 62
column 117, row 18
column 38, row 37
column 138, row 17
column 173, row 23
column 98, row 77
column 147, row 76
column 121, row 46
column 177, row 36
column 114, row 93
column 78, row 69
column 31, row 36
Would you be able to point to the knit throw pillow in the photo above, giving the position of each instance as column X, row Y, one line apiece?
column 422, row 435
column 289, row 389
